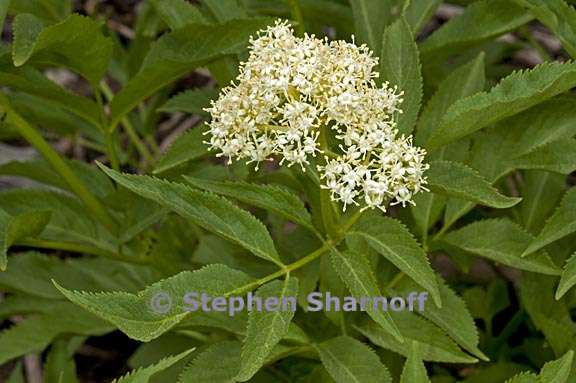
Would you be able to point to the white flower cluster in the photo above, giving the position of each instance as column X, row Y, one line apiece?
column 291, row 89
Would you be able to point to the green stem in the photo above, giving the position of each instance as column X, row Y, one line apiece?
column 75, row 184
column 285, row 270
column 108, row 133
column 79, row 248
column 140, row 146
column 296, row 12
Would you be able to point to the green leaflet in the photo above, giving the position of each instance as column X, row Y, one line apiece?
column 465, row 81
column 178, row 13
column 370, row 19
column 354, row 270
column 455, row 179
column 143, row 375
column 60, row 365
column 38, row 331
column 514, row 94
column 394, row 242
column 139, row 315
column 219, row 363
column 436, row 346
column 480, row 21
column 191, row 101
column 414, row 370
column 541, row 193
column 266, row 328
column 178, row 52
column 558, row 16
column 41, row 171
column 77, row 42
column 31, row 81
column 559, row 225
column 209, row 211
column 502, row 241
column 400, row 66
column 557, row 156
column 49, row 10
column 69, row 221
column 225, row 10
column 187, row 147
column 453, row 317
column 418, row 13
column 568, row 278
column 523, row 377
column 26, row 29
column 4, row 5
column 557, row 371
column 348, row 360
column 31, row 274
column 268, row 197
column 550, row 316
column 14, row 228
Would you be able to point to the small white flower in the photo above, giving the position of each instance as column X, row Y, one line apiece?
column 289, row 88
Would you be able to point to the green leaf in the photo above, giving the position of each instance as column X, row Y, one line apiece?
column 568, row 278
column 455, row 179
column 436, row 346
column 49, row 10
column 351, row 361
column 31, row 81
column 557, row 371
column 370, row 19
column 211, row 212
column 4, row 5
column 268, row 197
column 143, row 375
column 60, row 366
column 77, row 43
column 453, row 317
column 225, row 10
column 31, row 273
column 18, row 227
column 140, row 315
column 187, row 147
column 267, row 327
column 541, row 193
column 177, row 53
column 394, row 242
column 557, row 156
column 400, row 66
column 418, row 13
column 69, row 221
column 482, row 20
column 191, row 101
column 219, row 363
column 37, row 331
column 354, row 270
column 502, row 241
column 25, row 30
column 523, row 377
column 559, row 225
column 178, row 13
column 414, row 370
column 41, row 171
column 514, row 94
column 559, row 17
column 465, row 81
